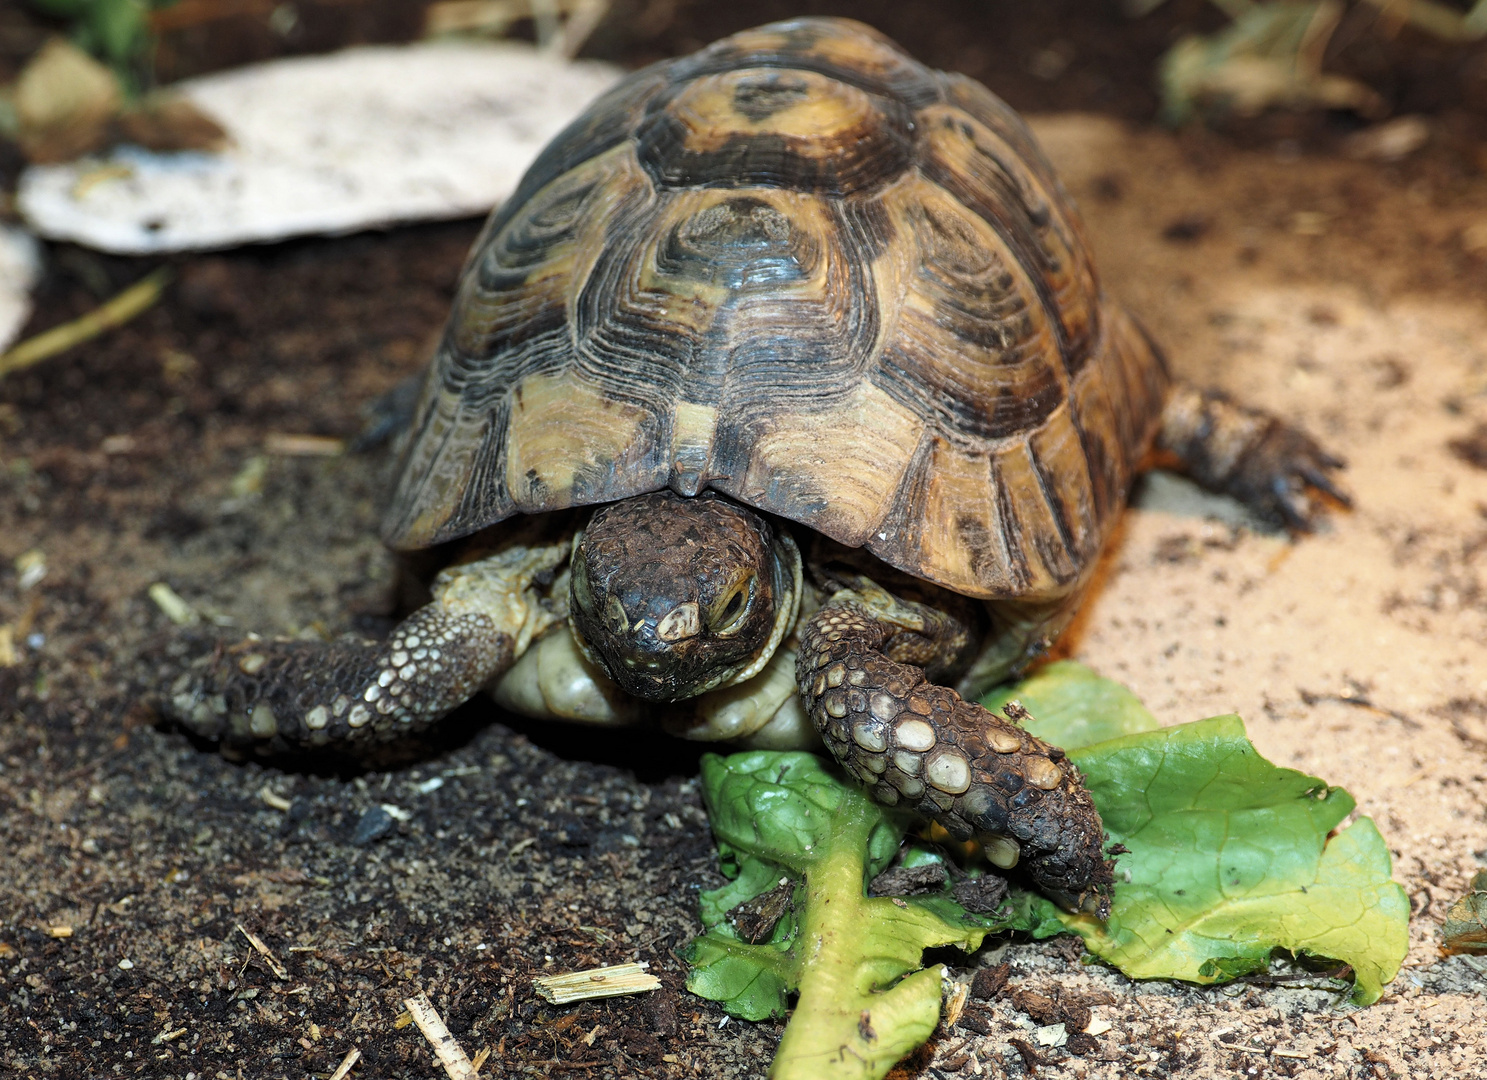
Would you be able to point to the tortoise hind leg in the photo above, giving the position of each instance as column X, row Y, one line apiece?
column 1249, row 454
column 307, row 693
column 922, row 746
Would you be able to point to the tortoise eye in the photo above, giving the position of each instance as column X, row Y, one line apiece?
column 578, row 577
column 728, row 617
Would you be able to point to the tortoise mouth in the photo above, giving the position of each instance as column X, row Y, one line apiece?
column 677, row 596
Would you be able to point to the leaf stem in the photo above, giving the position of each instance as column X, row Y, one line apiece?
column 852, row 1020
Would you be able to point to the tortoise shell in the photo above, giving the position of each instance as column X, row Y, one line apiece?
column 804, row 270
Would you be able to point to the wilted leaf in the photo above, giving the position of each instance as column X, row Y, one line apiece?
column 1465, row 928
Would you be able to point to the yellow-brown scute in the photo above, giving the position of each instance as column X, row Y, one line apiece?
column 984, row 172
column 805, row 271
column 766, row 127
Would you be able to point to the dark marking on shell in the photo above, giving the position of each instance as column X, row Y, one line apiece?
column 1051, row 488
column 807, row 45
column 760, row 98
column 742, row 243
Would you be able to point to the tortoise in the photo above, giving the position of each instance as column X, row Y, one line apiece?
column 781, row 404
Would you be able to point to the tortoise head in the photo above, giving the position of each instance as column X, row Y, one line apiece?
column 676, row 596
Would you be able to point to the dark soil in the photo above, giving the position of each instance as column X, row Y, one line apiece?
column 132, row 856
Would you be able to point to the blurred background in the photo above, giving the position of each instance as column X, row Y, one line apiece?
column 1418, row 56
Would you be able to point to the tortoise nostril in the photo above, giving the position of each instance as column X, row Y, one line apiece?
column 679, row 623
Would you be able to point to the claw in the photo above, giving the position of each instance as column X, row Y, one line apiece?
column 1264, row 462
column 1323, row 482
column 1293, row 505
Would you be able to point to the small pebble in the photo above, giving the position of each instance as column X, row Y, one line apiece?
column 298, row 811
column 374, row 825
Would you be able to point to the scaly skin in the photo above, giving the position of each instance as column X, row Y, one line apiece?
column 924, row 747
column 652, row 579
column 311, row 693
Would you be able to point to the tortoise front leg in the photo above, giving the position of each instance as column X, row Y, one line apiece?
column 483, row 616
column 922, row 746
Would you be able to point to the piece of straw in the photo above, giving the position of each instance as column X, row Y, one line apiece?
column 446, row 1049
column 600, row 982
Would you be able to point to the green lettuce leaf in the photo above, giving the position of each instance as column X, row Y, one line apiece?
column 1465, row 927
column 855, row 960
column 1230, row 858
column 1071, row 706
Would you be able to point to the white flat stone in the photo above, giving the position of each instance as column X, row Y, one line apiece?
column 326, row 144
column 20, row 265
column 1052, row 1035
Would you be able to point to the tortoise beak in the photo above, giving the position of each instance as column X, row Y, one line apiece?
column 650, row 681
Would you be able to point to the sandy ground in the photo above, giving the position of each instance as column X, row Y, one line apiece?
column 1339, row 293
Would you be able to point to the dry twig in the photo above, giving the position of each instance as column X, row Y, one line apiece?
column 599, row 982
column 134, row 300
column 344, row 1068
